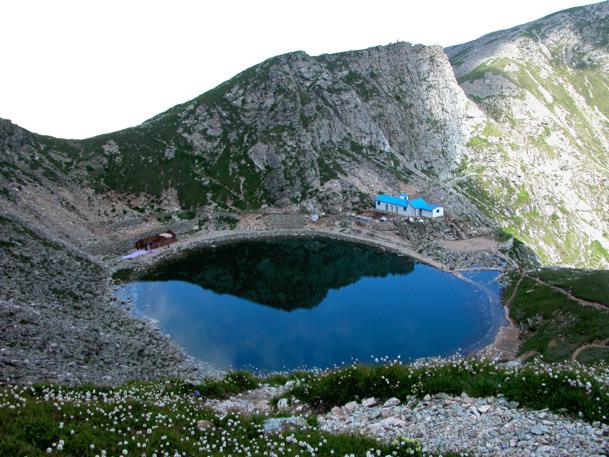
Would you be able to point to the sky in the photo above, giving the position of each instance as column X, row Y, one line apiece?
column 80, row 68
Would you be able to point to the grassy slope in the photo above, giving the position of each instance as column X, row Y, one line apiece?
column 155, row 419
column 553, row 324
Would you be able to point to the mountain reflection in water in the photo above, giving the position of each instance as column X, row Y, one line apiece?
column 327, row 302
column 285, row 274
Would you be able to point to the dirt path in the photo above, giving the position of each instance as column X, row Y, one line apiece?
column 527, row 355
column 596, row 344
column 581, row 301
column 471, row 244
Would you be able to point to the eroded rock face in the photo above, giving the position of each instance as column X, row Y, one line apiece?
column 397, row 104
column 295, row 129
column 541, row 158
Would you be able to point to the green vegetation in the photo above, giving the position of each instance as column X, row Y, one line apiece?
column 63, row 293
column 593, row 354
column 329, row 168
column 233, row 383
column 554, row 324
column 495, row 66
column 478, row 142
column 162, row 418
column 159, row 419
column 362, row 85
column 123, row 275
column 592, row 285
column 559, row 388
column 228, row 221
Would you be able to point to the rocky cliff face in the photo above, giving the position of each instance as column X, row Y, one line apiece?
column 58, row 319
column 540, row 163
column 302, row 132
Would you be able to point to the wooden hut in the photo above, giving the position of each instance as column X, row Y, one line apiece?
column 156, row 241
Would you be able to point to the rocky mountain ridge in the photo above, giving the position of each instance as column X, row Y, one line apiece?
column 328, row 133
column 517, row 141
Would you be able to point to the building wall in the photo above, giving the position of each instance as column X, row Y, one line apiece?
column 154, row 242
column 391, row 208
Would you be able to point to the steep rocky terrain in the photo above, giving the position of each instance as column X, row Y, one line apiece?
column 58, row 319
column 540, row 163
column 300, row 132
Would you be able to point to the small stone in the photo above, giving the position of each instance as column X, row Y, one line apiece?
column 283, row 424
column 369, row 402
column 387, row 423
column 336, row 411
column 520, row 434
column 536, row 430
column 375, row 413
column 484, row 408
column 263, row 405
column 282, row 404
column 427, row 397
column 391, row 402
column 203, row 424
column 350, row 406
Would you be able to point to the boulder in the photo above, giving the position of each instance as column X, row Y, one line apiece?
column 283, row 424
column 392, row 402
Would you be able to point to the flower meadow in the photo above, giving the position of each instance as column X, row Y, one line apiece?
column 161, row 418
column 578, row 390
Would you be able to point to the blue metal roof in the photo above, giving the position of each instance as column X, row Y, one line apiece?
column 392, row 200
column 419, row 203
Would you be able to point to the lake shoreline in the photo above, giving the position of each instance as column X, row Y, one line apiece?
column 384, row 242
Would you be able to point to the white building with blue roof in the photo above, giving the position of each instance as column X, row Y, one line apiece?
column 404, row 207
column 396, row 205
column 421, row 208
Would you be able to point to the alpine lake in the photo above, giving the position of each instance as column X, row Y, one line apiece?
column 314, row 303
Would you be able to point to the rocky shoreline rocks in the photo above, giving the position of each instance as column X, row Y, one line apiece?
column 59, row 321
column 441, row 423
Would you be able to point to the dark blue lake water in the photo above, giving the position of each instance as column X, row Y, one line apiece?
column 315, row 303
